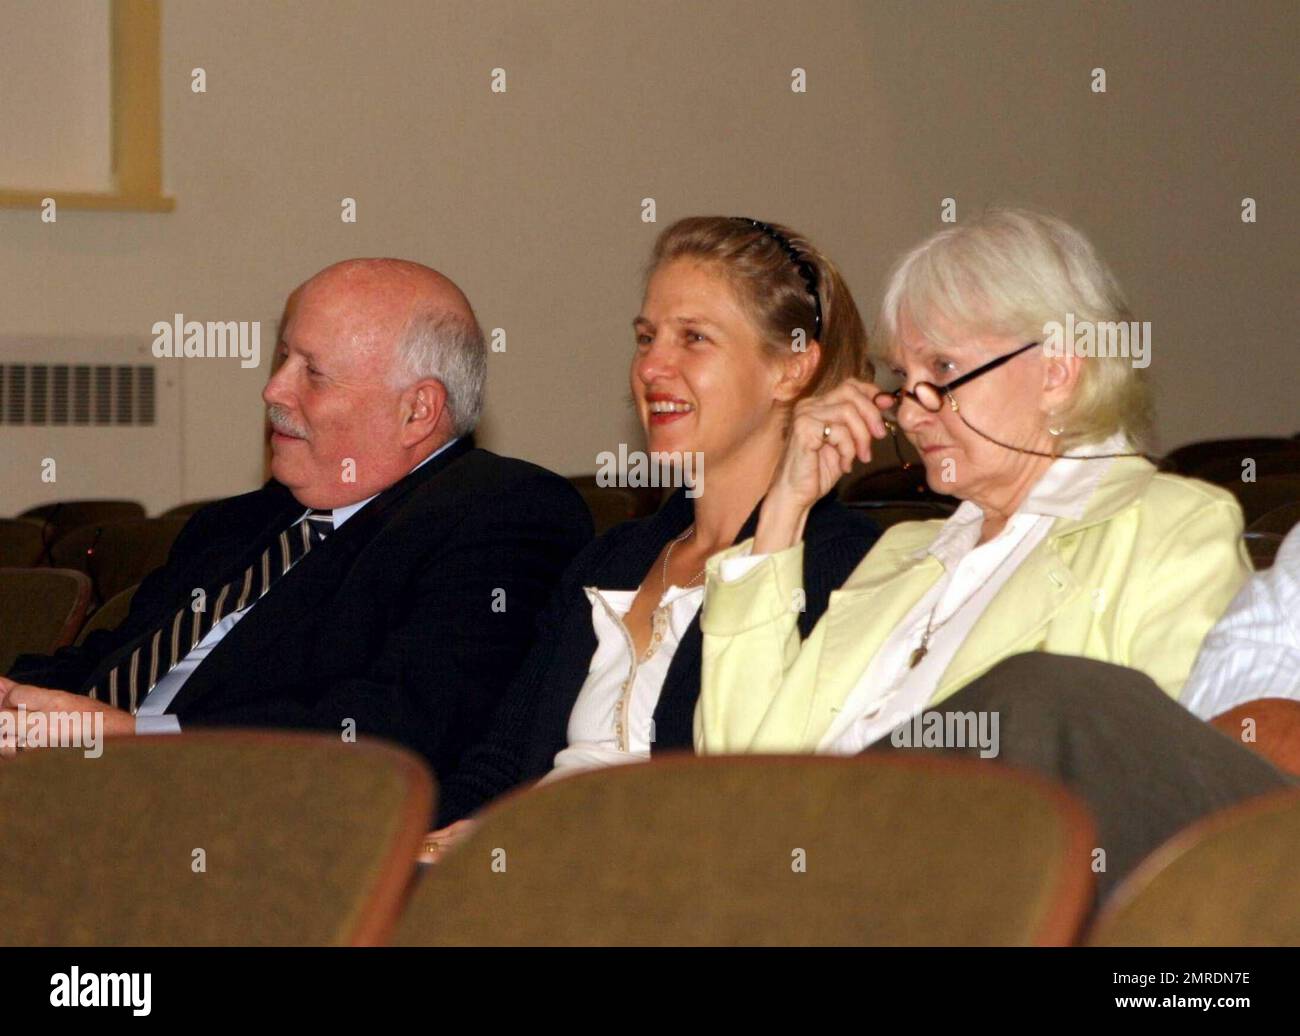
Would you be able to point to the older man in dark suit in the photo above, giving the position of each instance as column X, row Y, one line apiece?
column 384, row 582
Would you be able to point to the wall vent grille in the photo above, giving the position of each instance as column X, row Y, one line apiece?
column 78, row 394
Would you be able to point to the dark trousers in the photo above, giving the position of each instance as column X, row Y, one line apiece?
column 1144, row 765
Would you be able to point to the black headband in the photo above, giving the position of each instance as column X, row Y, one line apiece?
column 806, row 269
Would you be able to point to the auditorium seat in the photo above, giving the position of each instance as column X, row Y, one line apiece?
column 610, row 505
column 185, row 510
column 67, row 515
column 1192, row 456
column 1228, row 880
column 1262, row 548
column 1264, row 495
column 1279, row 521
column 890, row 512
column 1226, row 470
column 210, row 839
column 108, row 615
column 891, row 484
column 40, row 609
column 22, row 541
column 1269, row 726
column 767, row 850
column 117, row 554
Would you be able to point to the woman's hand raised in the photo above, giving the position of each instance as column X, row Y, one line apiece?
column 827, row 433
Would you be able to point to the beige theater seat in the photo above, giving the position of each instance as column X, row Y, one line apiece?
column 41, row 609
column 1228, row 880
column 767, row 851
column 210, row 839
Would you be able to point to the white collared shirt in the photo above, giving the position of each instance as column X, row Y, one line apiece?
column 612, row 721
column 1254, row 650
column 150, row 717
column 890, row 691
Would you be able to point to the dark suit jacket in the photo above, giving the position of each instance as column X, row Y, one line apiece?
column 395, row 621
column 532, row 723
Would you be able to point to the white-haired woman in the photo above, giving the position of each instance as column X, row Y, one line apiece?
column 1067, row 541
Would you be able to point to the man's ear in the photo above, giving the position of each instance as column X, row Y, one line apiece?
column 423, row 406
column 798, row 368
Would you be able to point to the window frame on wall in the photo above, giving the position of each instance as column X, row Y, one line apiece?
column 136, row 112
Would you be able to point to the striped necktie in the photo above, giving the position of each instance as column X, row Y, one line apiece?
column 158, row 652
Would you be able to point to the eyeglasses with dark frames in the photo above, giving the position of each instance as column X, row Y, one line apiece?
column 930, row 397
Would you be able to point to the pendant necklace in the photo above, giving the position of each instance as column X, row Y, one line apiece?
column 659, row 617
column 930, row 629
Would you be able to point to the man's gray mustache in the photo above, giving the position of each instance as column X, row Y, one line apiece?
column 281, row 423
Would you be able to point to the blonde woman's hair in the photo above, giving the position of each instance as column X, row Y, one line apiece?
column 774, row 293
column 1010, row 272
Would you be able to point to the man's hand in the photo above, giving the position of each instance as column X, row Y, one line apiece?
column 42, row 706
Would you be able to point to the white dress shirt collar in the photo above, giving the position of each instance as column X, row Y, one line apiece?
column 1063, row 491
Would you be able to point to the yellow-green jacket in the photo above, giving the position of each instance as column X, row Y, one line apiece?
column 1138, row 580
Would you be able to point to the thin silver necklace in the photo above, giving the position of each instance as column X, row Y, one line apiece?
column 659, row 617
column 930, row 629
column 668, row 556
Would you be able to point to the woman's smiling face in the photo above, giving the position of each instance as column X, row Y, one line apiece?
column 702, row 379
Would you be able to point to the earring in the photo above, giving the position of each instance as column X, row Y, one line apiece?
column 1054, row 427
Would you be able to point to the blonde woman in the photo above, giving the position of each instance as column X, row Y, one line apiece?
column 740, row 320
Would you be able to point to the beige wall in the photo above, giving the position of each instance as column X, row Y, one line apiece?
column 531, row 199
column 54, row 80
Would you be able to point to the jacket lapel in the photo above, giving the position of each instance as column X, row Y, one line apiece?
column 212, row 568
column 304, row 588
column 674, row 712
column 1029, row 600
column 864, row 612
column 1043, row 584
column 898, row 571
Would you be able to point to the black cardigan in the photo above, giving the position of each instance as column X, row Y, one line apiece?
column 531, row 724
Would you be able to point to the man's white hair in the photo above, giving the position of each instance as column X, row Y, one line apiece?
column 449, row 347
